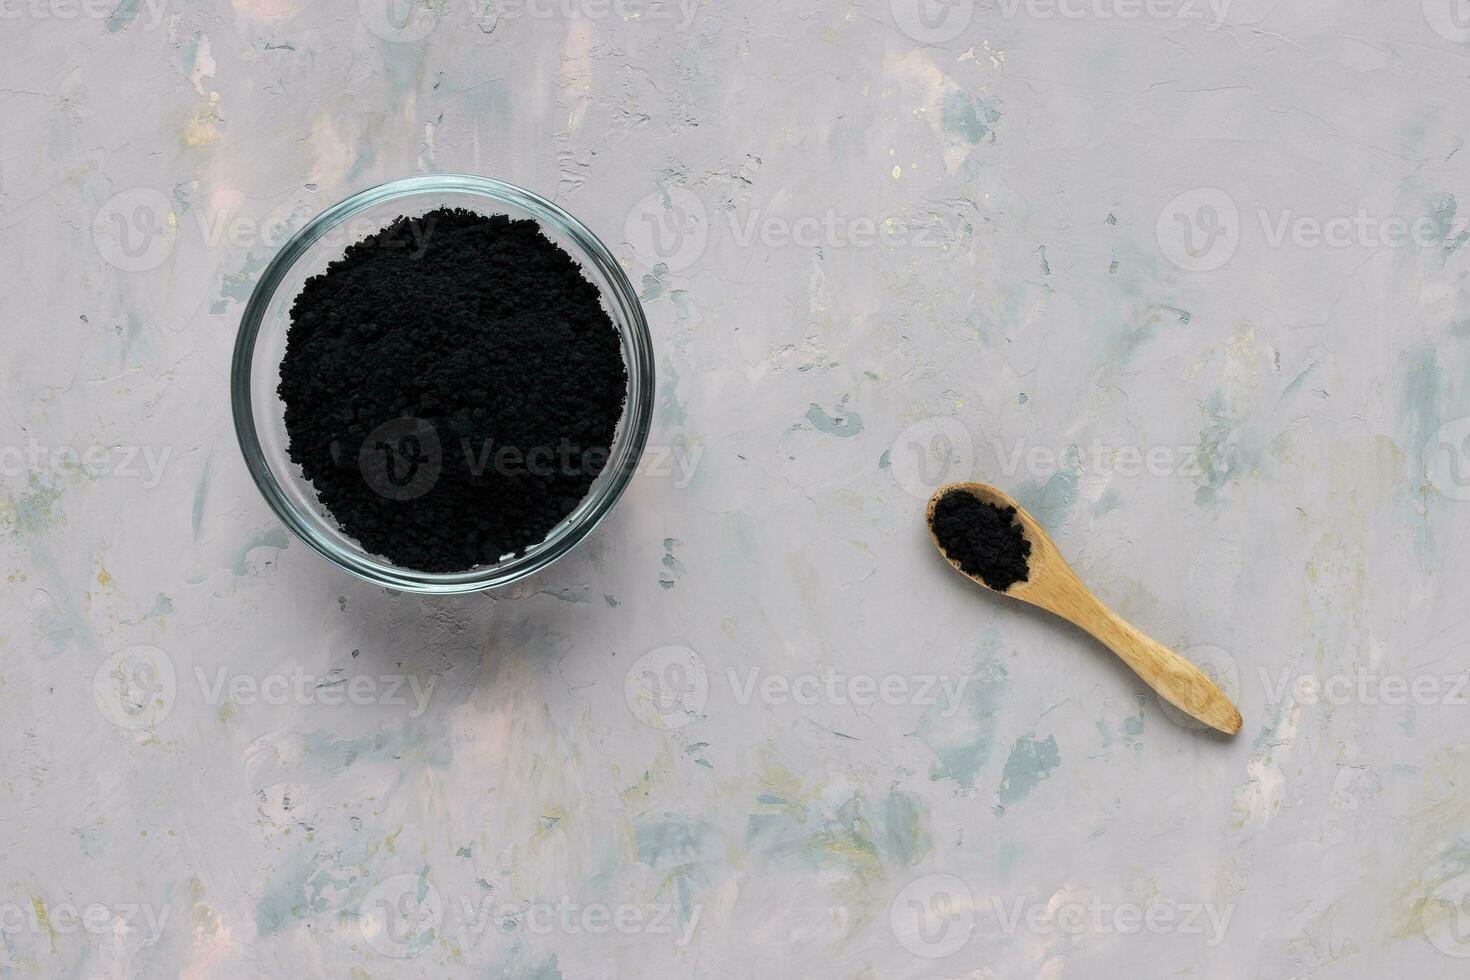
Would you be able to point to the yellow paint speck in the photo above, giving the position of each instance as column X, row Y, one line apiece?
column 104, row 579
column 897, row 171
column 43, row 918
column 202, row 128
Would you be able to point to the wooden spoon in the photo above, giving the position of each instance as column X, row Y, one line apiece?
column 1052, row 585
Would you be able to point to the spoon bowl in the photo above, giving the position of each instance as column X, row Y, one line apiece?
column 1051, row 584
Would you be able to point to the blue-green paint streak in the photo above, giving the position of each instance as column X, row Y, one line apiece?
column 1449, row 238
column 902, row 827
column 843, row 422
column 521, row 965
column 239, row 285
column 962, row 736
column 972, row 120
column 1426, row 404
column 1029, row 763
column 685, row 851
column 271, row 537
column 123, row 15
column 34, row 515
column 1225, row 452
column 859, row 838
column 672, row 411
column 1052, row 502
column 35, row 511
column 332, row 755
column 201, row 493
column 673, row 567
column 742, row 549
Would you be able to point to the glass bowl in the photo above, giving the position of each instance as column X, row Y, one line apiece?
column 260, row 414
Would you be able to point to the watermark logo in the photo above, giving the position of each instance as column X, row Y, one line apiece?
column 1063, row 915
column 932, row 21
column 124, row 15
column 138, row 229
column 933, row 916
column 1446, row 458
column 1445, row 916
column 1450, row 19
column 144, row 463
column 831, row 229
column 936, row 915
column 568, row 917
column 833, row 687
column 401, row 459
column 1368, row 687
column 668, row 227
column 940, row 450
column 135, row 230
column 1216, row 664
column 401, row 915
column 679, row 463
column 401, row 21
column 931, row 453
column 673, row 228
column 1199, row 230
column 404, row 458
column 135, row 688
column 336, row 687
column 96, row 919
column 1372, row 686
column 1214, row 11
column 405, row 914
column 668, row 687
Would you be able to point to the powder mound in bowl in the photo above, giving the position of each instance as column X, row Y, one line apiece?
column 985, row 539
column 452, row 388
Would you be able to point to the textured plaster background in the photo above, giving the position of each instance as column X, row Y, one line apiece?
column 754, row 726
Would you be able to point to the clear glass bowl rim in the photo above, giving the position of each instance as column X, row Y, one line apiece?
column 627, row 448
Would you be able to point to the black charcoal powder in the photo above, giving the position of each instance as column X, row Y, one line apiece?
column 984, row 539
column 452, row 388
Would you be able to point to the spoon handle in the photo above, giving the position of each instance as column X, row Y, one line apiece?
column 1180, row 682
